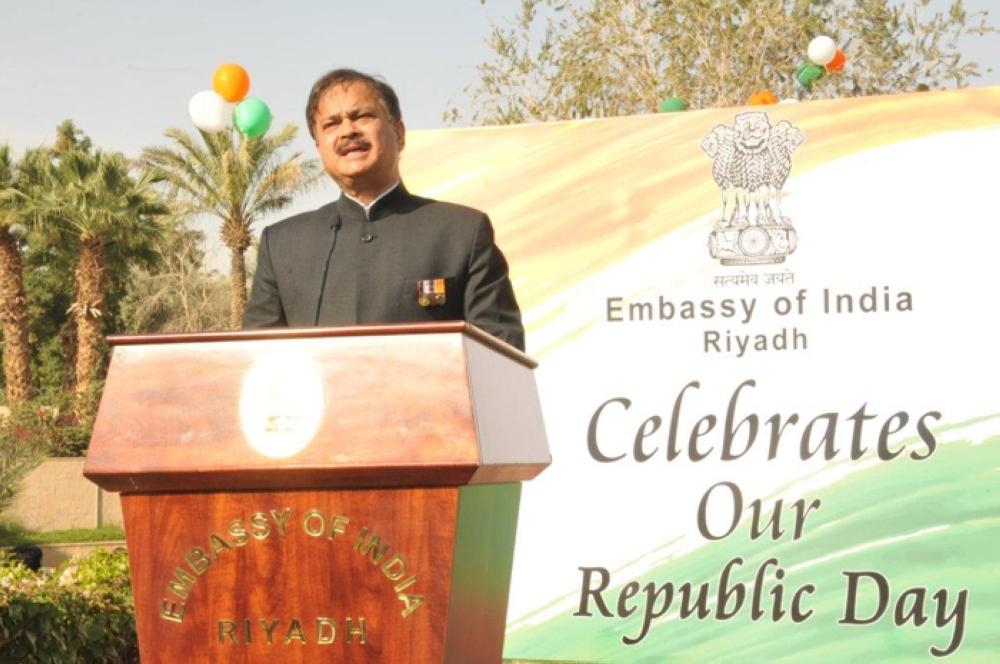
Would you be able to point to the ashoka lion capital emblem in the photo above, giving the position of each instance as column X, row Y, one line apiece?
column 751, row 162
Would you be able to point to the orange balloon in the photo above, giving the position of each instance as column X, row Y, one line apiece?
column 763, row 98
column 838, row 61
column 231, row 82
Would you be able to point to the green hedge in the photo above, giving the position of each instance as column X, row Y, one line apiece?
column 82, row 611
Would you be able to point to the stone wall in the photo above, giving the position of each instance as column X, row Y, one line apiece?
column 56, row 496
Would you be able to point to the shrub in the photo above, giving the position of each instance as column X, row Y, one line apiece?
column 48, row 426
column 20, row 452
column 80, row 612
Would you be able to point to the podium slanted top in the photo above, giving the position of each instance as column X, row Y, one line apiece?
column 439, row 404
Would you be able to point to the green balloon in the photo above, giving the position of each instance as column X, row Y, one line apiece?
column 808, row 74
column 672, row 105
column 252, row 117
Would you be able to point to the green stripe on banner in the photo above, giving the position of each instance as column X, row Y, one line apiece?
column 928, row 525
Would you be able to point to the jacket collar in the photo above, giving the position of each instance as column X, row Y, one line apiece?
column 390, row 203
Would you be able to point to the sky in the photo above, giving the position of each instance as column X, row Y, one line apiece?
column 124, row 70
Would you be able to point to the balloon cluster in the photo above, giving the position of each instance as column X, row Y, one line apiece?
column 227, row 101
column 824, row 58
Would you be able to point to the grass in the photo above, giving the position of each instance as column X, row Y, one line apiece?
column 12, row 534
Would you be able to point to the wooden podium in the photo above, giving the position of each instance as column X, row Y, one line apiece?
column 323, row 494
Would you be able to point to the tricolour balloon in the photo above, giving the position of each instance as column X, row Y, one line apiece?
column 673, row 105
column 252, row 117
column 837, row 63
column 209, row 112
column 763, row 98
column 822, row 50
column 231, row 81
column 808, row 74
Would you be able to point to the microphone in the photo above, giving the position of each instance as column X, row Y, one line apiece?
column 326, row 270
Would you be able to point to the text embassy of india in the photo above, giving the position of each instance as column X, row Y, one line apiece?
column 616, row 434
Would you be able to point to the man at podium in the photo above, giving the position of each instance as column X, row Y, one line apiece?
column 378, row 254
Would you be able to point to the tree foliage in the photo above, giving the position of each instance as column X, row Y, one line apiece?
column 235, row 179
column 178, row 294
column 563, row 60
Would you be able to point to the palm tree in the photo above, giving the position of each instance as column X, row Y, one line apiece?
column 88, row 200
column 237, row 180
column 13, row 304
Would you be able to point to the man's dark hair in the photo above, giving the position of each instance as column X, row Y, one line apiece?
column 343, row 77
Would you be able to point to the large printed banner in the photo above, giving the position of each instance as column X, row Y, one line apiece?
column 769, row 360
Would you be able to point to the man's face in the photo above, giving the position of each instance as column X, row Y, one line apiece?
column 357, row 141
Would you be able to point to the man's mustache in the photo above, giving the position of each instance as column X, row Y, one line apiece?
column 352, row 143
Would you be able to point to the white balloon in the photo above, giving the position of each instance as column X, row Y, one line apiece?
column 209, row 111
column 822, row 50
column 789, row 100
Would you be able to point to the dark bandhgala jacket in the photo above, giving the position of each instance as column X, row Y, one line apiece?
column 332, row 266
